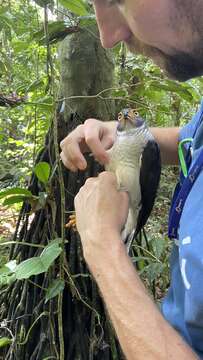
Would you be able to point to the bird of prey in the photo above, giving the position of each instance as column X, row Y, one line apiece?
column 135, row 160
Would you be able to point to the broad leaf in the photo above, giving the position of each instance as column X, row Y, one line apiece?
column 8, row 268
column 76, row 6
column 7, row 275
column 50, row 253
column 14, row 200
column 87, row 20
column 42, row 171
column 15, row 191
column 54, row 289
column 29, row 267
column 53, row 27
column 40, row 264
column 153, row 270
column 42, row 3
column 5, row 341
column 34, row 85
column 6, row 280
column 158, row 246
column 2, row 67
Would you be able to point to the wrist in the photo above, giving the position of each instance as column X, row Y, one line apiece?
column 102, row 248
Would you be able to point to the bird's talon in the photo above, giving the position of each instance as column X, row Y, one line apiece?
column 72, row 222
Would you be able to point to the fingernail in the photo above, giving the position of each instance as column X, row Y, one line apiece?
column 81, row 165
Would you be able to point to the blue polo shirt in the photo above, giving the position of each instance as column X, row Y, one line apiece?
column 183, row 305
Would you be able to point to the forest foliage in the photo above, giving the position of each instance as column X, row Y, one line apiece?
column 29, row 76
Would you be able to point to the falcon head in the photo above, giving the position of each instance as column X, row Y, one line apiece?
column 129, row 119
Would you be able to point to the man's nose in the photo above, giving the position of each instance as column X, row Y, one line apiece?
column 113, row 28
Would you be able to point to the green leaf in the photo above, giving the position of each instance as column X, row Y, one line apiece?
column 8, row 268
column 171, row 86
column 11, row 265
column 40, row 264
column 4, row 270
column 14, row 200
column 87, row 20
column 55, row 29
column 6, row 20
column 158, row 246
column 154, row 270
column 35, row 85
column 19, row 46
column 7, row 279
column 29, row 267
column 75, row 6
column 42, row 3
column 5, row 341
column 7, row 275
column 54, row 289
column 42, row 171
column 50, row 253
column 2, row 67
column 15, row 191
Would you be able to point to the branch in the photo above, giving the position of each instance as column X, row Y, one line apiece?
column 11, row 100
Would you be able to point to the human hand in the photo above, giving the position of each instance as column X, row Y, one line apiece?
column 95, row 136
column 101, row 211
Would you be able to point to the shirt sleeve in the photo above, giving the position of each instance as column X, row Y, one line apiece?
column 190, row 129
column 191, row 263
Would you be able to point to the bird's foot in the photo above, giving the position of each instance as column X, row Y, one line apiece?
column 72, row 222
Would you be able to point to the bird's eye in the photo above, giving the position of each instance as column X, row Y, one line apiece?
column 120, row 115
column 135, row 112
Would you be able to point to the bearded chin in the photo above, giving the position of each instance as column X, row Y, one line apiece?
column 179, row 66
column 183, row 66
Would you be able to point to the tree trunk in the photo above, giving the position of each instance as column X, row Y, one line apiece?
column 73, row 325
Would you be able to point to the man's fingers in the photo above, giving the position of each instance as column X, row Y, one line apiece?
column 74, row 160
column 76, row 157
column 107, row 142
column 71, row 155
column 92, row 136
column 95, row 145
column 67, row 163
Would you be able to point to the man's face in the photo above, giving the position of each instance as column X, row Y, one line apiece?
column 163, row 30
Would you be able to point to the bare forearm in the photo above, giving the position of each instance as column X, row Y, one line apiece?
column 141, row 329
column 167, row 138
